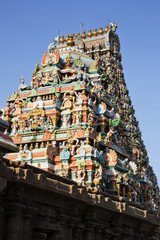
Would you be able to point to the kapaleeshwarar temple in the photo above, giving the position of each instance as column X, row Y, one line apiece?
column 75, row 128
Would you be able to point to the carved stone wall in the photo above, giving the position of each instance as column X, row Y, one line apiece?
column 38, row 205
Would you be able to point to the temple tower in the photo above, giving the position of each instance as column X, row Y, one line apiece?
column 76, row 119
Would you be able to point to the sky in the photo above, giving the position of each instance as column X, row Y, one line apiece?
column 27, row 27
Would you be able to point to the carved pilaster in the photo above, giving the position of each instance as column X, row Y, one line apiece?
column 27, row 227
column 117, row 227
column 157, row 233
column 2, row 225
column 117, row 233
column 98, row 233
column 107, row 234
column 89, row 232
column 14, row 228
column 69, row 228
column 128, row 233
column 78, row 232
column 139, row 236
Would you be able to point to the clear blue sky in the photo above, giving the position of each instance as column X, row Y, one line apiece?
column 27, row 27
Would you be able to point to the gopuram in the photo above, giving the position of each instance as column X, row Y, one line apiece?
column 81, row 170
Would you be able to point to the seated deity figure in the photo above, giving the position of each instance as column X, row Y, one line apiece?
column 25, row 155
column 25, row 125
column 38, row 103
column 47, row 77
column 36, row 121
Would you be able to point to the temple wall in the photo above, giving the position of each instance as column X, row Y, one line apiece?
column 38, row 205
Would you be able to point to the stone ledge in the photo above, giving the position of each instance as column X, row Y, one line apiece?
column 26, row 174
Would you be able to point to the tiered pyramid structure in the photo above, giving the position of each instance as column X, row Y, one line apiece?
column 76, row 119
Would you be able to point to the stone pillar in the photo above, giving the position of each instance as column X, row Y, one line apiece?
column 69, row 230
column 62, row 233
column 2, row 223
column 117, row 233
column 128, row 234
column 77, row 234
column 107, row 233
column 139, row 236
column 157, row 233
column 27, row 227
column 98, row 233
column 14, row 228
column 89, row 233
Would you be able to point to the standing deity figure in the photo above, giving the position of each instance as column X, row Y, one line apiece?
column 110, row 134
column 36, row 121
column 98, row 175
column 118, row 183
column 80, row 99
column 91, row 118
column 16, row 107
column 78, row 117
column 71, row 143
column 15, row 127
column 66, row 121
